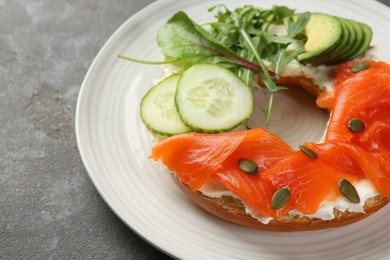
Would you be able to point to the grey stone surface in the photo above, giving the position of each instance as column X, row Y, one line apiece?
column 49, row 208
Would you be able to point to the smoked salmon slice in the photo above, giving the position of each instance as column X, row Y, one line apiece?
column 193, row 157
column 346, row 157
column 252, row 189
column 364, row 95
column 355, row 93
column 311, row 181
column 376, row 141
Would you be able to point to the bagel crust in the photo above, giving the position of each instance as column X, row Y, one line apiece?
column 231, row 209
column 301, row 82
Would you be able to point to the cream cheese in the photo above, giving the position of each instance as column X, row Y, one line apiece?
column 324, row 212
column 213, row 189
column 326, row 209
column 322, row 76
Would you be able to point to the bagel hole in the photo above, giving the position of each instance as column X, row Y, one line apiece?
column 295, row 117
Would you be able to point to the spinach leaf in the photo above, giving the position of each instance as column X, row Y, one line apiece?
column 183, row 39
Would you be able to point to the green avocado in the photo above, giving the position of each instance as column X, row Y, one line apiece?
column 362, row 39
column 324, row 33
column 355, row 43
column 366, row 41
column 332, row 40
column 348, row 30
column 350, row 46
column 347, row 38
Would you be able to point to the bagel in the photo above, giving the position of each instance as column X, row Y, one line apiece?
column 231, row 209
column 260, row 182
column 302, row 82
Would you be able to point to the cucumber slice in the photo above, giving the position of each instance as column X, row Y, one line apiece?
column 212, row 99
column 158, row 110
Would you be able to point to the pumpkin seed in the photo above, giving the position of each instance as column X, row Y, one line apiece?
column 280, row 198
column 360, row 66
column 356, row 125
column 248, row 166
column 308, row 151
column 349, row 191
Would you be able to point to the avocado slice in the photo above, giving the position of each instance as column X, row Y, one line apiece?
column 347, row 38
column 355, row 36
column 355, row 43
column 365, row 43
column 362, row 39
column 324, row 33
column 332, row 40
column 348, row 30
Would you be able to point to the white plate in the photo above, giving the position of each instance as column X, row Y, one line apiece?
column 115, row 146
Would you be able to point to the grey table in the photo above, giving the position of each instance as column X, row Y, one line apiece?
column 49, row 207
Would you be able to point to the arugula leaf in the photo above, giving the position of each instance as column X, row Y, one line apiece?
column 294, row 28
column 250, row 45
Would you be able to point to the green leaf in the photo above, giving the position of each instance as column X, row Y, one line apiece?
column 277, row 38
column 294, row 28
column 147, row 62
column 279, row 59
column 183, row 39
column 225, row 34
column 282, row 88
column 251, row 46
column 180, row 38
column 282, row 11
column 291, row 56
